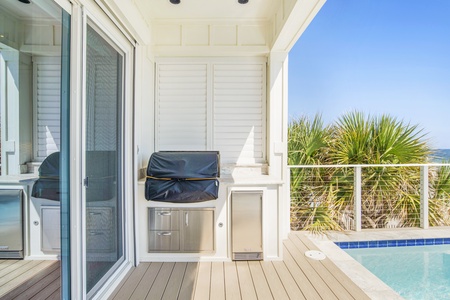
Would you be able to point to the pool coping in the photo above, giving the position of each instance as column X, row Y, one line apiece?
column 374, row 287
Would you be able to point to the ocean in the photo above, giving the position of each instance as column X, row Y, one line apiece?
column 440, row 155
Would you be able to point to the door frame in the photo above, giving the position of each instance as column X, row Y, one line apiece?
column 81, row 15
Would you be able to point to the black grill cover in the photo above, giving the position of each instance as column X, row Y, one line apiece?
column 183, row 176
column 102, row 179
column 47, row 186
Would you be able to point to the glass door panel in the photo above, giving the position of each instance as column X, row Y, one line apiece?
column 103, row 157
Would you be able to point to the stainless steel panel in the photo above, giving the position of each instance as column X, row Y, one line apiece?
column 246, row 222
column 163, row 219
column 11, row 228
column 198, row 230
column 50, row 230
column 163, row 241
column 99, row 217
column 100, row 241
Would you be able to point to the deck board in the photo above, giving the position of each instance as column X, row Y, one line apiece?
column 275, row 284
column 202, row 286
column 23, row 279
column 288, row 281
column 296, row 277
column 259, row 280
column 144, row 286
column 27, row 278
column 161, row 281
column 217, row 281
column 132, row 282
column 175, row 281
column 346, row 282
column 246, row 281
column 187, row 287
column 48, row 291
column 311, row 274
column 331, row 281
column 232, row 290
column 306, row 287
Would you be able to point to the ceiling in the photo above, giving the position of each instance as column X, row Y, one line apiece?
column 207, row 9
column 35, row 10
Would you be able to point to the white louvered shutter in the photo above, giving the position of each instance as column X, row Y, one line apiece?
column 182, row 107
column 239, row 112
column 47, row 102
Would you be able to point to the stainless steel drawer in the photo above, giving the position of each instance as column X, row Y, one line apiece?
column 163, row 219
column 100, row 240
column 99, row 217
column 164, row 241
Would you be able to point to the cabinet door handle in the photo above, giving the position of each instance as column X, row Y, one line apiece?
column 186, row 219
column 164, row 233
column 94, row 213
column 164, row 213
column 93, row 233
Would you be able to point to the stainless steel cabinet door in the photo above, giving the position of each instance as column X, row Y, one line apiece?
column 198, row 230
column 246, row 221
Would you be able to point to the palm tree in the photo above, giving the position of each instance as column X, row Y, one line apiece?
column 388, row 193
column 308, row 142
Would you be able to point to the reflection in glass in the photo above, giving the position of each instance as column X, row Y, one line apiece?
column 33, row 130
column 104, row 81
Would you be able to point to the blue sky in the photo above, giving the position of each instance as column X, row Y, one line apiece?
column 376, row 56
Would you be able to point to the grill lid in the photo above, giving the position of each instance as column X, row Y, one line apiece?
column 182, row 176
column 184, row 164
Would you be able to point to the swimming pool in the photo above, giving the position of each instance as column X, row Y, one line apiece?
column 415, row 272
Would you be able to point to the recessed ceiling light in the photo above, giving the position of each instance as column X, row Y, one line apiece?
column 243, row 1
column 175, row 1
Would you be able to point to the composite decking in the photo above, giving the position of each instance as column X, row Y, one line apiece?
column 296, row 277
column 29, row 279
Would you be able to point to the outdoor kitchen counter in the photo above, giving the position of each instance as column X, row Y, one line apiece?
column 243, row 180
column 18, row 179
column 247, row 179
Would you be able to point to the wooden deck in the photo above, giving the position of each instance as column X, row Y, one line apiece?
column 29, row 279
column 296, row 277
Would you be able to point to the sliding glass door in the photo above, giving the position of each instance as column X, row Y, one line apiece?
column 104, row 211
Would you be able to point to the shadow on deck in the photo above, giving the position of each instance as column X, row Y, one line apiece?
column 29, row 279
column 296, row 277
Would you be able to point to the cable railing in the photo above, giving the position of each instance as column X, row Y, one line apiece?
column 356, row 197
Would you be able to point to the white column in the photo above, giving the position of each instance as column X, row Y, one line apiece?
column 277, row 122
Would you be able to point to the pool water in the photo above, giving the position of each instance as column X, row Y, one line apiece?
column 419, row 272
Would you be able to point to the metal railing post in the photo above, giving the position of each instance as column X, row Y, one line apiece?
column 357, row 193
column 424, row 197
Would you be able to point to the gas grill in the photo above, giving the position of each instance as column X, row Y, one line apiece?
column 183, row 176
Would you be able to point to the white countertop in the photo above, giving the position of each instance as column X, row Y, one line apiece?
column 21, row 178
column 244, row 180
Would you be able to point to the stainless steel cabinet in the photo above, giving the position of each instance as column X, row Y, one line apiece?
column 50, row 237
column 180, row 230
column 99, row 236
column 198, row 230
column 246, row 225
